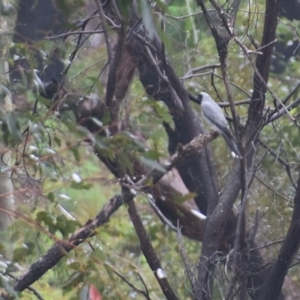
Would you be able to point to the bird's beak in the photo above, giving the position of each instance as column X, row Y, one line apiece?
column 194, row 99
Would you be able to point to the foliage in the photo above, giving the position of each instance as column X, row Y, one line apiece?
column 61, row 183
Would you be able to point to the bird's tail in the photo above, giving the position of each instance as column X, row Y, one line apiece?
column 232, row 144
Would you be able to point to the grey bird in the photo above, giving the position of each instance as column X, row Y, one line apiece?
column 214, row 115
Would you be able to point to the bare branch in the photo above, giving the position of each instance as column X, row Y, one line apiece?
column 199, row 69
column 282, row 111
column 273, row 283
column 144, row 293
column 102, row 18
column 281, row 160
column 53, row 37
column 61, row 248
column 150, row 253
column 184, row 258
column 114, row 65
column 215, row 223
column 187, row 125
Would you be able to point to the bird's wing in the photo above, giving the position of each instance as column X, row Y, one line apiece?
column 214, row 114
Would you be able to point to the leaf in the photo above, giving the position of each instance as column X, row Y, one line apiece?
column 51, row 197
column 124, row 7
column 99, row 141
column 151, row 154
column 15, row 237
column 66, row 226
column 161, row 4
column 76, row 153
column 57, row 140
column 152, row 164
column 96, row 122
column 146, row 14
column 11, row 128
column 43, row 216
column 20, row 254
column 75, row 266
column 186, row 197
column 75, row 279
column 164, row 113
column 2, row 248
column 81, row 185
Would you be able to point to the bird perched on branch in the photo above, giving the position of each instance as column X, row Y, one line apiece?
column 214, row 115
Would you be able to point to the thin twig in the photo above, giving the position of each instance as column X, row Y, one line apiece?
column 202, row 68
column 235, row 85
column 282, row 111
column 61, row 248
column 144, row 293
column 88, row 67
column 186, row 77
column 246, row 52
column 281, row 160
column 293, row 91
column 267, row 245
column 271, row 189
column 53, row 37
column 149, row 253
column 187, row 265
column 151, row 201
column 185, row 16
column 266, row 45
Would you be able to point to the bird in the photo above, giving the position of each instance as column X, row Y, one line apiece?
column 213, row 113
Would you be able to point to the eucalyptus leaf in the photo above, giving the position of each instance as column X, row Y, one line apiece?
column 152, row 164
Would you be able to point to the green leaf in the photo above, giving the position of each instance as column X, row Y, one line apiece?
column 71, row 226
column 15, row 237
column 76, row 153
column 164, row 113
column 126, row 163
column 161, row 4
column 153, row 164
column 186, row 197
column 75, row 279
column 81, row 185
column 57, row 140
column 66, row 226
column 51, row 197
column 20, row 254
column 43, row 216
column 11, row 128
column 99, row 141
column 76, row 266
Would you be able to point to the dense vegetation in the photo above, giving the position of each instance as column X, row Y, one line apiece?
column 119, row 187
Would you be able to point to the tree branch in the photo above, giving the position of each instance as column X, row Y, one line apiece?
column 198, row 174
column 273, row 283
column 150, row 254
column 216, row 222
column 61, row 248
